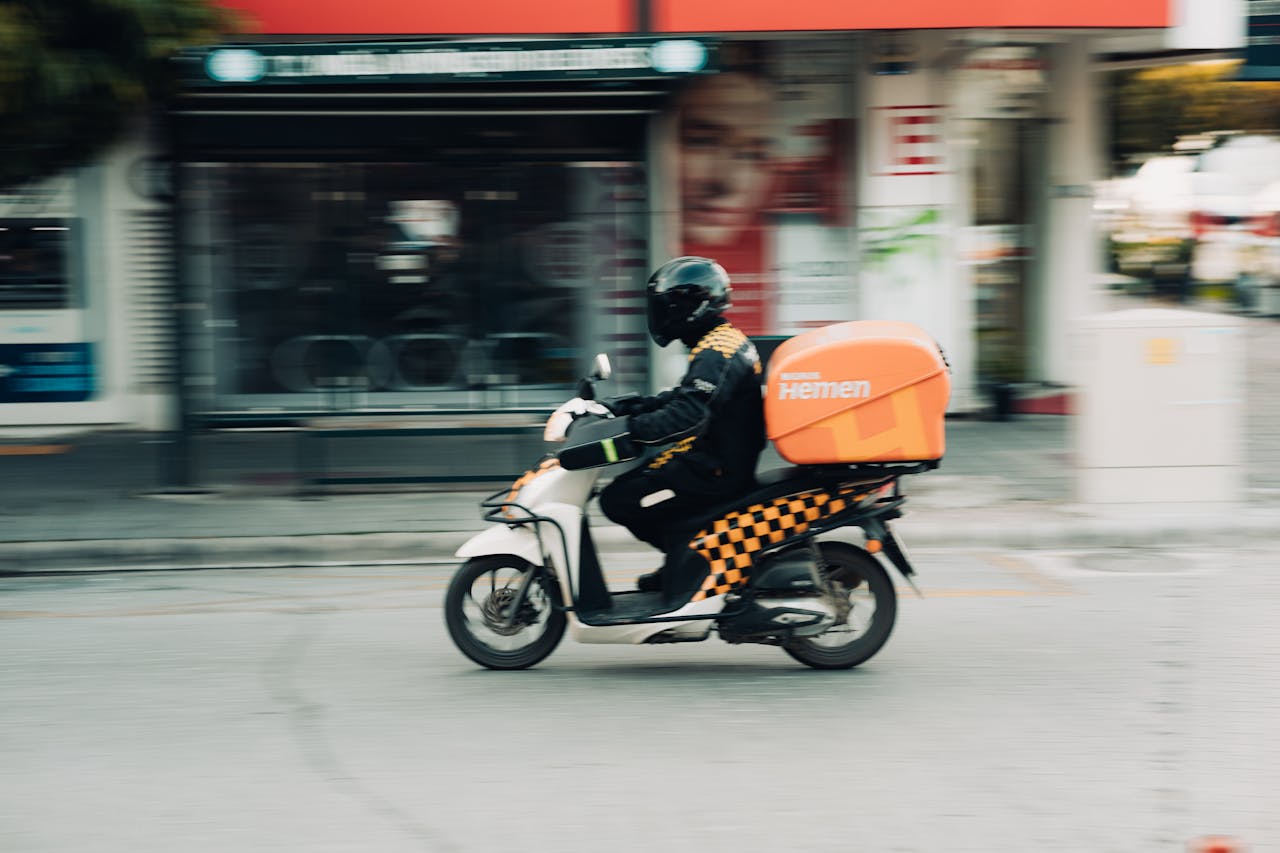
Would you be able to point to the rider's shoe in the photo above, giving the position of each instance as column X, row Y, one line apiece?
column 650, row 581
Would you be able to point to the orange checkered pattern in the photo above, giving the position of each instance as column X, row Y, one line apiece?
column 528, row 477
column 733, row 540
column 681, row 446
column 725, row 340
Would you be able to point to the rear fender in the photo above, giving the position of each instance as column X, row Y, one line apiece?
column 878, row 531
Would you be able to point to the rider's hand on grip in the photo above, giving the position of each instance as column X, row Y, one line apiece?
column 623, row 404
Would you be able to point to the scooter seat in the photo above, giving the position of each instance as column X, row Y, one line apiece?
column 804, row 476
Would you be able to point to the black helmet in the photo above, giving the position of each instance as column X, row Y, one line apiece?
column 684, row 295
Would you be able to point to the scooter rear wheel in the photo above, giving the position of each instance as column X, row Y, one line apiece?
column 858, row 579
column 477, row 603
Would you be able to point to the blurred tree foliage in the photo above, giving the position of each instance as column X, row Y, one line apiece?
column 74, row 72
column 1153, row 107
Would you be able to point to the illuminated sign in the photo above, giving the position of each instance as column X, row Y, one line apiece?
column 449, row 61
column 46, row 373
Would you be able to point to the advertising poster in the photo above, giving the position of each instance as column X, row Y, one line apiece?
column 812, row 244
column 43, row 355
column 900, row 254
column 46, row 373
column 763, row 148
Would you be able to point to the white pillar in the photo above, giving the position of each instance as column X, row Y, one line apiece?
column 1071, row 255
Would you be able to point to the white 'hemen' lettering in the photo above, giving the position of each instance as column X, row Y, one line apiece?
column 850, row 389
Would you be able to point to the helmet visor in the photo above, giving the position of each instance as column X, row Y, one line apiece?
column 664, row 319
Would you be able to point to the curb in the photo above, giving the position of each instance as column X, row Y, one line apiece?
column 983, row 529
column 240, row 552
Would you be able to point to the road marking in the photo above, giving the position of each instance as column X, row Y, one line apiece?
column 1044, row 584
column 33, row 449
column 908, row 593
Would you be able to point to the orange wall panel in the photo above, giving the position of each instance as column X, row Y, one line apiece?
column 432, row 17
column 764, row 15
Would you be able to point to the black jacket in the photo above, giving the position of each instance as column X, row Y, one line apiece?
column 713, row 420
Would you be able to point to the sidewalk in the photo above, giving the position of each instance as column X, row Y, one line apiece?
column 95, row 502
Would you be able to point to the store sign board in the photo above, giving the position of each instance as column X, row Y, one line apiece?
column 410, row 62
column 1262, row 50
column 505, row 17
column 52, row 197
column 415, row 17
column 46, row 373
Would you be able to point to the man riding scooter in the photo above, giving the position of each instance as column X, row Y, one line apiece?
column 713, row 420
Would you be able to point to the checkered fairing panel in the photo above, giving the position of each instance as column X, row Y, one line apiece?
column 730, row 545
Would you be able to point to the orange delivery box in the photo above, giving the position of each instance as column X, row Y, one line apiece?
column 861, row 391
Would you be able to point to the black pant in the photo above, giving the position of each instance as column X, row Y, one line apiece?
column 661, row 516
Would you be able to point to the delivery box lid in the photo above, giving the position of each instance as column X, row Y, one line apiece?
column 822, row 372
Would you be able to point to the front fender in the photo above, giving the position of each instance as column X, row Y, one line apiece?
column 501, row 539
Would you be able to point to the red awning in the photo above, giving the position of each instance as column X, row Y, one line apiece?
column 522, row 17
column 415, row 17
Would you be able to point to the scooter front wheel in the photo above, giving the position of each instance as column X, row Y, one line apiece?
column 863, row 595
column 477, row 612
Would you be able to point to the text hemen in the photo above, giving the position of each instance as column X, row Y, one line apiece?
column 849, row 389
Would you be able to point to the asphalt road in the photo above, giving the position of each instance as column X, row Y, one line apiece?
column 1108, row 701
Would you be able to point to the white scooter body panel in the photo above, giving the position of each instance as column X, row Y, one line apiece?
column 635, row 634
column 555, row 486
column 522, row 541
column 517, row 541
column 569, row 519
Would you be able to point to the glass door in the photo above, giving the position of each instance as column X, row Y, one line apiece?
column 1005, row 178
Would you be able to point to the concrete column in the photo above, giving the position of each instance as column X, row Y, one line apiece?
column 1071, row 255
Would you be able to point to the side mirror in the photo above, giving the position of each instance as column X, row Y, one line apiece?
column 601, row 369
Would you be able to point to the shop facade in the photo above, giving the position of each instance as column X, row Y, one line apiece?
column 86, row 281
column 383, row 227
column 396, row 207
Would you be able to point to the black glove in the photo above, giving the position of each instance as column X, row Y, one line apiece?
column 623, row 404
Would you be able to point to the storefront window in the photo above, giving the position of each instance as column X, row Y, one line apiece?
column 397, row 283
column 1002, row 248
column 35, row 262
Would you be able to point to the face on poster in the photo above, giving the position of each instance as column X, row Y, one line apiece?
column 760, row 151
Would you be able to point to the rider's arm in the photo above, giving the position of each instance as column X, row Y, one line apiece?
column 684, row 410
column 634, row 404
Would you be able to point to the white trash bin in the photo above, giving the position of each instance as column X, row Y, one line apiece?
column 1161, row 409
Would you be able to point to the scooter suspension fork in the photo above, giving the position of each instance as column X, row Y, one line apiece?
column 518, row 600
column 823, row 581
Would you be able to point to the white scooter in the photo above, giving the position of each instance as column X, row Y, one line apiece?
column 753, row 569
